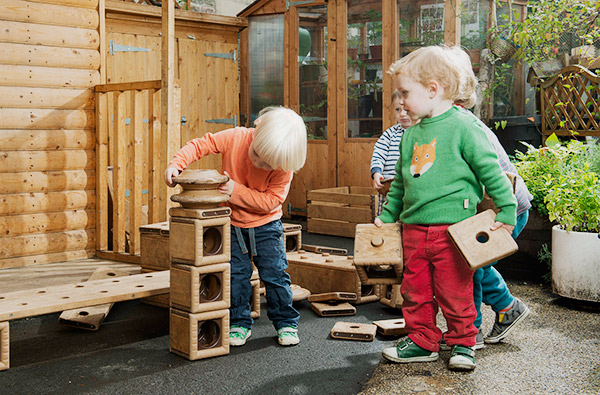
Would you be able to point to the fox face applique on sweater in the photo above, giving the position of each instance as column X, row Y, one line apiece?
column 422, row 158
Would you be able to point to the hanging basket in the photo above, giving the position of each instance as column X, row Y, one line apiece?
column 502, row 48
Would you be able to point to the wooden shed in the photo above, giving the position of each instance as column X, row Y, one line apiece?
column 328, row 61
column 83, row 99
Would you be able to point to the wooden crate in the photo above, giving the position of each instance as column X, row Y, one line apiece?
column 336, row 211
column 154, row 253
column 200, row 335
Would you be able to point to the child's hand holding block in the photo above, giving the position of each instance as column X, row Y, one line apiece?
column 478, row 244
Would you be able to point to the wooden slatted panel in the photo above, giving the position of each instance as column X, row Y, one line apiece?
column 47, row 181
column 63, row 99
column 56, row 36
column 47, row 160
column 24, row 203
column 46, row 139
column 48, row 14
column 38, row 76
column 48, row 300
column 41, row 55
column 17, row 225
column 38, row 259
column 18, row 246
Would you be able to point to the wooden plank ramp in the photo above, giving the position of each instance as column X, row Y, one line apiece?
column 28, row 303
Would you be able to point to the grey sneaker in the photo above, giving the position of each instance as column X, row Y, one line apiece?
column 462, row 358
column 479, row 344
column 505, row 322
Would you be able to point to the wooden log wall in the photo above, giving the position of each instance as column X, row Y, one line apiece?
column 49, row 65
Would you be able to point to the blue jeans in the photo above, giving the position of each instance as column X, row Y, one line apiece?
column 488, row 284
column 265, row 244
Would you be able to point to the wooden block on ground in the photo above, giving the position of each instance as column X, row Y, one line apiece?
column 154, row 250
column 197, row 289
column 299, row 293
column 390, row 296
column 394, row 327
column 353, row 331
column 292, row 240
column 91, row 317
column 333, row 296
column 380, row 274
column 333, row 310
column 199, row 335
column 4, row 346
column 478, row 244
column 200, row 242
column 323, row 249
column 255, row 301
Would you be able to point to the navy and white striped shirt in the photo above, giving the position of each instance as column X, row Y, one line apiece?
column 386, row 152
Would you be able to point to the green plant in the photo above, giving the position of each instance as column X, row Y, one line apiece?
column 374, row 27
column 545, row 256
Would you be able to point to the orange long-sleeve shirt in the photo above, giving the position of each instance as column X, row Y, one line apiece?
column 258, row 194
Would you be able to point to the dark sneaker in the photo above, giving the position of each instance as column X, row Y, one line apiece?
column 505, row 322
column 288, row 336
column 238, row 335
column 479, row 344
column 462, row 358
column 406, row 351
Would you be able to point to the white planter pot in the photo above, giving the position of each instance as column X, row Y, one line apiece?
column 576, row 264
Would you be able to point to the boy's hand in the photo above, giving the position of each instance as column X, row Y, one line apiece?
column 377, row 177
column 498, row 225
column 378, row 222
column 169, row 174
column 227, row 188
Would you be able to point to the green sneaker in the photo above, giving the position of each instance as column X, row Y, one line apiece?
column 478, row 345
column 238, row 335
column 288, row 336
column 462, row 358
column 406, row 351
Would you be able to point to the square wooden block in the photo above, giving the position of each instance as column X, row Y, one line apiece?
column 292, row 240
column 4, row 346
column 200, row 242
column 396, row 327
column 353, row 331
column 200, row 288
column 333, row 309
column 390, row 296
column 154, row 250
column 200, row 335
column 380, row 274
column 478, row 244
column 378, row 246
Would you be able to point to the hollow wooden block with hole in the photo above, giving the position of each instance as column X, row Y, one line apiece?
column 291, row 227
column 255, row 301
column 326, row 250
column 487, row 203
column 200, row 288
column 199, row 242
column 354, row 331
column 378, row 253
column 322, row 273
column 478, row 245
column 396, row 327
column 292, row 240
column 199, row 335
column 391, row 296
column 154, row 250
column 4, row 346
column 333, row 309
column 333, row 297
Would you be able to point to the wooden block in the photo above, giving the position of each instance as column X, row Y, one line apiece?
column 4, row 346
column 199, row 242
column 368, row 294
column 255, row 301
column 197, row 289
column 163, row 301
column 291, row 227
column 331, row 227
column 322, row 249
column 478, row 244
column 390, row 296
column 292, row 240
column 91, row 317
column 378, row 246
column 380, row 274
column 200, row 213
column 387, row 182
column 394, row 327
column 353, row 331
column 154, row 250
column 333, row 310
column 487, row 203
column 333, row 296
column 199, row 335
column 299, row 293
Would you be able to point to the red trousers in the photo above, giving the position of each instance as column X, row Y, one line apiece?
column 436, row 274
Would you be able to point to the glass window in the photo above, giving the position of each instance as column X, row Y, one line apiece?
column 266, row 63
column 312, row 68
column 420, row 24
column 364, row 70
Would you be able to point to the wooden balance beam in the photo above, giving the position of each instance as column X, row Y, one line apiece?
column 29, row 303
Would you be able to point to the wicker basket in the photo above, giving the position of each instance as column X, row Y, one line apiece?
column 502, row 48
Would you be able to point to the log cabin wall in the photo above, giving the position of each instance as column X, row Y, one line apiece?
column 49, row 65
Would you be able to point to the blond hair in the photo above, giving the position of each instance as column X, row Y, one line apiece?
column 280, row 138
column 449, row 66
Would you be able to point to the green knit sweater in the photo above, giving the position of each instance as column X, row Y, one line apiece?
column 444, row 161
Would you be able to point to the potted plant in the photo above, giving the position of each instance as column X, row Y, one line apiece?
column 374, row 33
column 573, row 202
